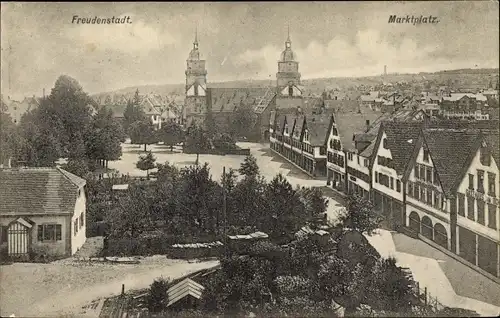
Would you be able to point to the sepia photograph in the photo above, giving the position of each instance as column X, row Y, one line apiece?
column 250, row 159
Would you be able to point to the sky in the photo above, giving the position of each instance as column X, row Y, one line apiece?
column 240, row 41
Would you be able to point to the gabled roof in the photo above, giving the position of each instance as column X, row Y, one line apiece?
column 228, row 99
column 299, row 124
column 28, row 191
column 401, row 140
column 318, row 127
column 186, row 287
column 350, row 124
column 451, row 151
column 492, row 139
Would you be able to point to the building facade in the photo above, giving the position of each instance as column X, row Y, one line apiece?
column 46, row 218
column 478, row 216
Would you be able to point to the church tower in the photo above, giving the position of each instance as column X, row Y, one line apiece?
column 195, row 106
column 288, row 76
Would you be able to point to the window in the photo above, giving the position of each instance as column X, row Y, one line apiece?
column 286, row 131
column 437, row 198
column 461, row 204
column 392, row 183
column 331, row 143
column 358, row 159
column 290, row 90
column 322, row 151
column 366, row 162
column 422, row 173
column 3, row 233
column 480, row 181
column 480, row 212
column 384, row 144
column 416, row 172
column 422, row 194
column 417, row 192
column 471, row 181
column 376, row 177
column 81, row 219
column 435, row 179
column 429, row 197
column 470, row 208
column 484, row 157
column 491, row 184
column 49, row 233
column 426, row 155
column 492, row 216
column 428, row 172
column 398, row 185
column 75, row 226
column 335, row 132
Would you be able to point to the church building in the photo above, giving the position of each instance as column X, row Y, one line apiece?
column 222, row 103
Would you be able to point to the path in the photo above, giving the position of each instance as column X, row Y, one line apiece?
column 49, row 290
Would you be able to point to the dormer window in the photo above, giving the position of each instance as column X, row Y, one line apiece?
column 384, row 144
column 426, row 155
column 306, row 135
column 484, row 156
column 290, row 90
column 286, row 129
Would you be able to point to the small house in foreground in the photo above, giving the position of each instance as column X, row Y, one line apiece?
column 42, row 213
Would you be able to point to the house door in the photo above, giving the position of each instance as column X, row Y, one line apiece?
column 18, row 238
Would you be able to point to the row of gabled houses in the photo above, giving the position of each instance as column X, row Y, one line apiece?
column 438, row 180
column 158, row 108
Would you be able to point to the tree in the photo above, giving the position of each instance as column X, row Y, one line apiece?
column 131, row 215
column 286, row 213
column 157, row 298
column 10, row 140
column 171, row 134
column 142, row 132
column 360, row 215
column 103, row 141
column 197, row 141
column 314, row 201
column 68, row 104
column 244, row 121
column 249, row 167
column 133, row 113
column 137, row 99
column 146, row 162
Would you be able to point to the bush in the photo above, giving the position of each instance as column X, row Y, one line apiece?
column 157, row 298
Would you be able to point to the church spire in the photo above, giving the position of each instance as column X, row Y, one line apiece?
column 195, row 43
column 288, row 42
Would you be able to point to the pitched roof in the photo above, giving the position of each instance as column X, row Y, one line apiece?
column 318, row 127
column 401, row 140
column 451, row 151
column 38, row 191
column 264, row 101
column 368, row 151
column 493, row 141
column 186, row 287
column 228, row 99
column 350, row 124
column 299, row 123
